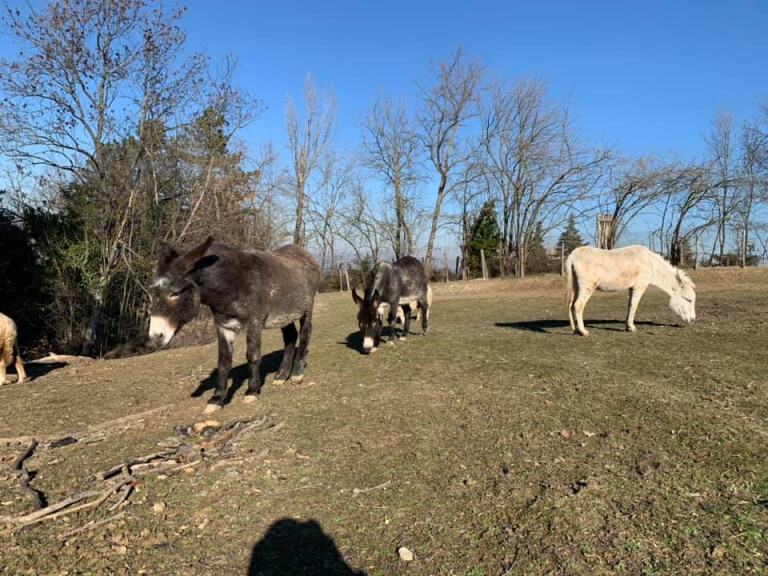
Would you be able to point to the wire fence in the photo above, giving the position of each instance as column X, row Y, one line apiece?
column 698, row 249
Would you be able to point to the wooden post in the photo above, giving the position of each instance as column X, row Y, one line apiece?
column 458, row 260
column 482, row 264
column 744, row 248
column 650, row 241
column 346, row 275
column 604, row 231
column 696, row 253
column 562, row 259
column 341, row 279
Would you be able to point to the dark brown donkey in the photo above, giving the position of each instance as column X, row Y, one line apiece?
column 245, row 290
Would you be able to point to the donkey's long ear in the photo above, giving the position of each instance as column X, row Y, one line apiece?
column 357, row 299
column 191, row 258
column 376, row 299
column 166, row 254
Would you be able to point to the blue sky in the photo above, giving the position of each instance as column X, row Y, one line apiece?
column 644, row 77
column 647, row 77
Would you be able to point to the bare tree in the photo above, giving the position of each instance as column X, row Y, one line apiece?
column 469, row 193
column 689, row 188
column 753, row 182
column 268, row 220
column 360, row 225
column 324, row 212
column 308, row 138
column 449, row 104
column 720, row 142
column 633, row 185
column 535, row 165
column 754, row 174
column 391, row 147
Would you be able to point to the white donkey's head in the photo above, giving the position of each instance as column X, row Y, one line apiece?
column 683, row 300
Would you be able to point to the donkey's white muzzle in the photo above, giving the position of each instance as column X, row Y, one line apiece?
column 161, row 331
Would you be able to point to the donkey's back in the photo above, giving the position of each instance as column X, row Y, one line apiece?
column 611, row 270
column 282, row 283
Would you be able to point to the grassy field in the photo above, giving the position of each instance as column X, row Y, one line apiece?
column 498, row 444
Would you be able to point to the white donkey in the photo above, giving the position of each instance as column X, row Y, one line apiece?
column 9, row 349
column 588, row 269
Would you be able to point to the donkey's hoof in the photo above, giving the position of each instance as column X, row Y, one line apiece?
column 390, row 342
column 585, row 333
column 403, row 338
column 211, row 408
column 374, row 350
column 250, row 398
column 279, row 381
column 631, row 329
column 298, row 379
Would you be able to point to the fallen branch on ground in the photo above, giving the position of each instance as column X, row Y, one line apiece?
column 133, row 462
column 356, row 491
column 20, row 469
column 183, row 457
column 90, row 526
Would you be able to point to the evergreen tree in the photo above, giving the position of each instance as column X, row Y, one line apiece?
column 570, row 239
column 536, row 260
column 485, row 234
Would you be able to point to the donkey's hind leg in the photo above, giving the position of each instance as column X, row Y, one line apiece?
column 300, row 363
column 253, row 355
column 424, row 307
column 19, row 365
column 584, row 293
column 635, row 294
column 290, row 336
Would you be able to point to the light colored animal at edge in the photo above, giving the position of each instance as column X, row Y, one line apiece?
column 634, row 268
column 414, row 304
column 9, row 349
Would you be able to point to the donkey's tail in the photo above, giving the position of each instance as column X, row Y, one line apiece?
column 569, row 289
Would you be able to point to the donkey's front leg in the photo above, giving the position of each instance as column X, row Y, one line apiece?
column 253, row 355
column 634, row 299
column 226, row 347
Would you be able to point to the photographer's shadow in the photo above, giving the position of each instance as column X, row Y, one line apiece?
column 293, row 548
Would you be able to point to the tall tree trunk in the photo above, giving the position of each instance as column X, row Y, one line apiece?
column 400, row 216
column 435, row 222
column 298, row 231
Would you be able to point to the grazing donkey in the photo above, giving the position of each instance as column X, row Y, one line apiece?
column 588, row 269
column 244, row 289
column 9, row 349
column 395, row 284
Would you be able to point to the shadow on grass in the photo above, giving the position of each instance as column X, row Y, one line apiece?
column 293, row 548
column 38, row 369
column 354, row 340
column 556, row 326
column 270, row 364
